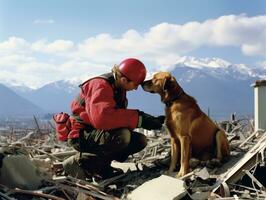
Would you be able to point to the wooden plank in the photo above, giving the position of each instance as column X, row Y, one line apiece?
column 246, row 163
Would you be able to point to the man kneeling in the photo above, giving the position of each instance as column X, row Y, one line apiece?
column 102, row 126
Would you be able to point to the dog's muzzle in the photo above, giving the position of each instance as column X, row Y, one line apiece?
column 145, row 84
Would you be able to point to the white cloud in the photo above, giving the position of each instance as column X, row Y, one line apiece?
column 14, row 60
column 166, row 62
column 56, row 47
column 262, row 64
column 254, row 49
column 14, row 44
column 160, row 46
column 43, row 21
column 162, row 40
column 76, row 68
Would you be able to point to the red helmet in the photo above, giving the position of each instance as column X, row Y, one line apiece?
column 133, row 69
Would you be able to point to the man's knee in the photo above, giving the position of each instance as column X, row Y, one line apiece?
column 139, row 141
column 143, row 141
column 123, row 137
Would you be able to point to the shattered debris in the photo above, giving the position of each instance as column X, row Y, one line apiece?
column 32, row 168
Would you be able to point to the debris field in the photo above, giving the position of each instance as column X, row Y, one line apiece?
column 31, row 168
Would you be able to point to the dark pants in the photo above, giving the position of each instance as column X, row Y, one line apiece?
column 105, row 146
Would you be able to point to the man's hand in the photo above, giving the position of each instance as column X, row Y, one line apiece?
column 161, row 118
column 149, row 122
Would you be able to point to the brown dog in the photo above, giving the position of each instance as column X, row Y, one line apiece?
column 192, row 132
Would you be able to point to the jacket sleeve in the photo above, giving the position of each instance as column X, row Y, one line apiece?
column 100, row 106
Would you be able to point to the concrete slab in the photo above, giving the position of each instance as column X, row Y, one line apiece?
column 161, row 188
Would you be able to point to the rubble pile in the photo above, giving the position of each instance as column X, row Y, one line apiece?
column 31, row 168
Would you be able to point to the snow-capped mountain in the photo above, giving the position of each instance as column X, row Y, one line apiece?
column 203, row 62
column 219, row 86
column 221, row 69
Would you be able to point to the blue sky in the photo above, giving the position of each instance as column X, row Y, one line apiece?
column 39, row 40
column 77, row 20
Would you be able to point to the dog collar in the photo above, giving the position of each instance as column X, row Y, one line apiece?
column 170, row 102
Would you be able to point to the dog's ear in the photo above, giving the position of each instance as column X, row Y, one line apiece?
column 169, row 83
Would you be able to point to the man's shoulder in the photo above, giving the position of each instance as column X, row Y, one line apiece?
column 96, row 83
column 98, row 80
column 104, row 78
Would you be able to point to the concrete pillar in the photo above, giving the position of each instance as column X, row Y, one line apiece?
column 260, row 104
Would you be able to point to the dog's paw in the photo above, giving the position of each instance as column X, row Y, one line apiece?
column 180, row 174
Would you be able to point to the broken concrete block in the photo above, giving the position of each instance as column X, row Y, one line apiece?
column 161, row 188
column 203, row 174
column 18, row 171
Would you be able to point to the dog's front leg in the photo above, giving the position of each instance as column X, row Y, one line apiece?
column 175, row 151
column 185, row 152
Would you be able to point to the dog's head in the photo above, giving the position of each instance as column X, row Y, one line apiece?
column 162, row 83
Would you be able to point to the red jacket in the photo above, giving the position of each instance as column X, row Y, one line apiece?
column 99, row 105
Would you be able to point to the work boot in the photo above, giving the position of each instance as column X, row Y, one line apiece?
column 108, row 172
column 72, row 168
column 84, row 167
column 99, row 167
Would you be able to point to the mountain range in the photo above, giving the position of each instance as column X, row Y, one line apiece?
column 221, row 88
column 13, row 105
